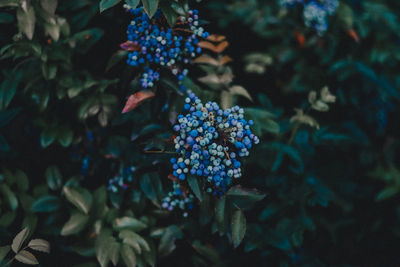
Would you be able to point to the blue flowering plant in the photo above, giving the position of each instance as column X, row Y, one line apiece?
column 315, row 12
column 211, row 143
column 154, row 45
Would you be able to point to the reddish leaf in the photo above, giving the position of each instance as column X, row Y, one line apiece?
column 301, row 39
column 215, row 48
column 216, row 38
column 136, row 99
column 130, row 46
column 353, row 34
column 224, row 60
column 204, row 59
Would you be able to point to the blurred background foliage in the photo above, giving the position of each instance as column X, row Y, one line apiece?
column 75, row 172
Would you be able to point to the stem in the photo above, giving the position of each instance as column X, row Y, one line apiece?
column 294, row 132
column 9, row 262
column 159, row 152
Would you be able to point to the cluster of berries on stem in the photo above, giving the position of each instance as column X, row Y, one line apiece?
column 154, row 45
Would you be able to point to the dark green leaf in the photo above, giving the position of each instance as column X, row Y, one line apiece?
column 47, row 137
column 8, row 89
column 238, row 227
column 244, row 198
column 132, row 3
column 194, row 185
column 53, row 177
column 10, row 197
column 4, row 144
column 3, row 252
column 46, row 204
column 106, row 4
column 6, row 18
column 7, row 115
column 150, row 7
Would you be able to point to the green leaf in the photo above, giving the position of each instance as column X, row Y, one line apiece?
column 208, row 252
column 82, row 200
column 22, row 180
column 345, row 15
column 47, row 137
column 244, row 198
column 65, row 137
column 99, row 202
column 8, row 115
column 106, row 4
column 19, row 239
column 26, row 21
column 75, row 224
column 132, row 3
column 46, row 204
column 151, row 186
column 10, row 197
column 39, row 245
column 221, row 214
column 3, row 252
column 9, row 88
column 169, row 14
column 4, row 146
column 128, row 222
column 49, row 5
column 53, row 177
column 135, row 240
column 238, row 227
column 128, row 255
column 387, row 193
column 116, row 58
column 102, row 245
column 167, row 241
column 13, row 3
column 26, row 257
column 150, row 7
column 194, row 185
column 49, row 70
column 262, row 121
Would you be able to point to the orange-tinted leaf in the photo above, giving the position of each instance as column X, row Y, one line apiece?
column 224, row 60
column 301, row 39
column 204, row 59
column 353, row 34
column 216, row 38
column 136, row 99
column 130, row 46
column 215, row 48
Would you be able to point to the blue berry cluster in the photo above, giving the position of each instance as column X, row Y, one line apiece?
column 177, row 199
column 154, row 45
column 315, row 12
column 211, row 142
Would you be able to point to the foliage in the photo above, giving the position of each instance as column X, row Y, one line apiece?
column 85, row 149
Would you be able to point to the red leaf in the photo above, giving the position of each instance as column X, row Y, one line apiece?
column 130, row 46
column 301, row 39
column 136, row 99
column 353, row 34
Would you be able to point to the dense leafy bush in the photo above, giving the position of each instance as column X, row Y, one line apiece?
column 204, row 133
